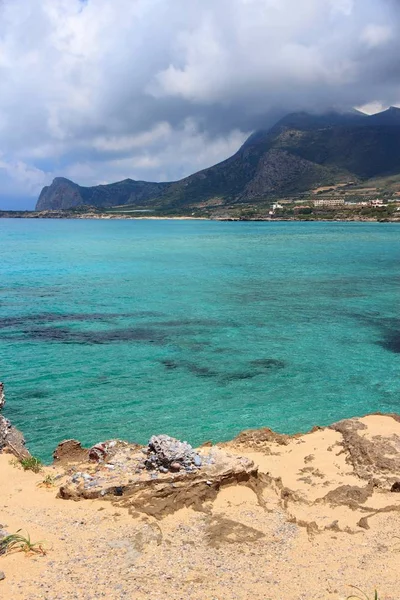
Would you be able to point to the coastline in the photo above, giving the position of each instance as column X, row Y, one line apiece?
column 113, row 217
column 257, row 505
column 265, row 502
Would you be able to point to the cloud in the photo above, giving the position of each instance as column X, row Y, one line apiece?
column 19, row 180
column 377, row 35
column 153, row 89
column 166, row 157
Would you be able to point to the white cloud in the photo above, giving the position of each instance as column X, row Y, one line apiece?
column 157, row 89
column 371, row 108
column 181, row 153
column 344, row 7
column 376, row 35
column 23, row 176
column 116, row 143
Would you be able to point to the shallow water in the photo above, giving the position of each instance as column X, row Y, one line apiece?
column 194, row 328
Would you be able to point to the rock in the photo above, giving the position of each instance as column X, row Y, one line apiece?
column 2, row 396
column 257, row 438
column 350, row 495
column 2, row 575
column 12, row 440
column 70, row 451
column 164, row 451
column 5, row 426
column 395, row 487
column 154, row 494
column 197, row 461
column 79, row 475
column 98, row 452
column 373, row 457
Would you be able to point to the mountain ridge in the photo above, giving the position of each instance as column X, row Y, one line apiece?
column 299, row 152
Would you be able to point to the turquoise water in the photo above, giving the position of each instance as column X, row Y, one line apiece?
column 193, row 328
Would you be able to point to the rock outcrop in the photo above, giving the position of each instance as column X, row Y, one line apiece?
column 332, row 478
column 2, row 396
column 373, row 455
column 11, row 440
column 126, row 476
column 63, row 194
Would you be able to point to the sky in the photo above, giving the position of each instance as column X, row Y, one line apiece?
column 100, row 90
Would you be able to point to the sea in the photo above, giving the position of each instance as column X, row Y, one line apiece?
column 198, row 329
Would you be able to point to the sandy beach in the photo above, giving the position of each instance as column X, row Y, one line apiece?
column 318, row 517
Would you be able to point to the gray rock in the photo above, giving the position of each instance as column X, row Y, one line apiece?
column 10, row 438
column 2, row 396
column 165, row 452
column 2, row 575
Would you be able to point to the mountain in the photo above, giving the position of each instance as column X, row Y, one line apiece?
column 389, row 117
column 63, row 194
column 300, row 152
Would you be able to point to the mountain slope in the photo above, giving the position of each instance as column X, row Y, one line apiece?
column 300, row 152
column 269, row 163
column 64, row 194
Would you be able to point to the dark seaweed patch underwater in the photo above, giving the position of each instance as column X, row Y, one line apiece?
column 195, row 329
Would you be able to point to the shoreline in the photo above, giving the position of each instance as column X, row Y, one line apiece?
column 121, row 520
column 114, row 217
column 258, row 505
column 12, row 440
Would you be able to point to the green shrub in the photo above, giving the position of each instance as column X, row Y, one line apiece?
column 31, row 464
column 19, row 543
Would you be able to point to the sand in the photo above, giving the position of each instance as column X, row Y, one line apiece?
column 318, row 518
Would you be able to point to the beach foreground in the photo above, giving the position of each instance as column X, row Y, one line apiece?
column 287, row 517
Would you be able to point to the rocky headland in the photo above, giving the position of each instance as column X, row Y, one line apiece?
column 264, row 516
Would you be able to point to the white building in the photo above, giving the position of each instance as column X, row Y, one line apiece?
column 329, row 202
